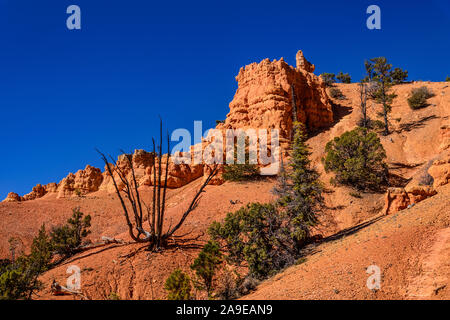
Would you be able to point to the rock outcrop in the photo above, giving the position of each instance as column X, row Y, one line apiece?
column 264, row 96
column 397, row 199
column 80, row 183
column 178, row 174
column 13, row 197
column 37, row 192
column 440, row 171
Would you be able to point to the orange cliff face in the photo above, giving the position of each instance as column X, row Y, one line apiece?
column 263, row 99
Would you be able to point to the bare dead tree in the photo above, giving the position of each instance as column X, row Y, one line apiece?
column 363, row 100
column 157, row 236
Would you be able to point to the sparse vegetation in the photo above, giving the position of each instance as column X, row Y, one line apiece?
column 328, row 78
column 206, row 264
column 67, row 238
column 335, row 93
column 355, row 195
column 399, row 76
column 156, row 237
column 269, row 237
column 357, row 159
column 78, row 193
column 447, row 79
column 380, row 72
column 240, row 171
column 19, row 278
column 300, row 191
column 418, row 98
column 113, row 296
column 344, row 77
column 258, row 235
column 178, row 285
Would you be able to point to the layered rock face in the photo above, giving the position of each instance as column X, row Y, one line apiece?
column 264, row 97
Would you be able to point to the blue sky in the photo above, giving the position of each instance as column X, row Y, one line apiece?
column 63, row 93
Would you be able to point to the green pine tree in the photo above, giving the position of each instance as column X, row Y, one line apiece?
column 206, row 264
column 304, row 192
column 178, row 286
column 380, row 72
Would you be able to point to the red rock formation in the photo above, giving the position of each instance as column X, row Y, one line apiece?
column 51, row 187
column 37, row 192
column 13, row 197
column 82, row 182
column 397, row 199
column 264, row 97
column 178, row 174
column 440, row 171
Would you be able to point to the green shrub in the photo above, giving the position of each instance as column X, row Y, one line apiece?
column 67, row 238
column 418, row 98
column 335, row 93
column 328, row 78
column 399, row 76
column 356, row 195
column 258, row 235
column 113, row 296
column 78, row 193
column 206, row 263
column 19, row 279
column 299, row 191
column 344, row 77
column 357, row 159
column 240, row 171
column 447, row 79
column 178, row 286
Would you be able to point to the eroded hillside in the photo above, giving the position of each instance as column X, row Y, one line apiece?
column 410, row 246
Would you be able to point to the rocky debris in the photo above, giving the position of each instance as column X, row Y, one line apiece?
column 263, row 99
column 80, row 183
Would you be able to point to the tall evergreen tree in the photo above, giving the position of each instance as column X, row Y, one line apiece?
column 380, row 72
column 300, row 191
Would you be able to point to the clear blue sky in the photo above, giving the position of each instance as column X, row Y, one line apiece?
column 63, row 93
